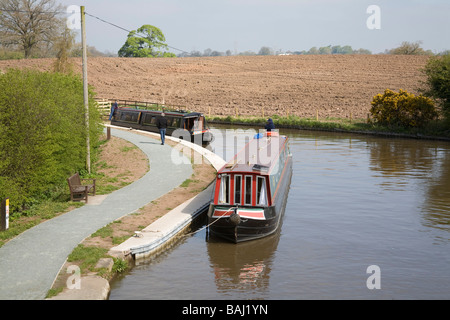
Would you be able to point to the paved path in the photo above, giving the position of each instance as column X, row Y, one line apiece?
column 30, row 262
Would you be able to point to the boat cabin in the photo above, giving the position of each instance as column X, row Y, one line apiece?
column 252, row 177
column 193, row 123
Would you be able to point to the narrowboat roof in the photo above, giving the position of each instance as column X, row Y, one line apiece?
column 258, row 156
column 182, row 113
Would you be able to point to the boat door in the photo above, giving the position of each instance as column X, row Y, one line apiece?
column 188, row 124
column 198, row 124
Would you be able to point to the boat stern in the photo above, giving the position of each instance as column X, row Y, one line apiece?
column 238, row 224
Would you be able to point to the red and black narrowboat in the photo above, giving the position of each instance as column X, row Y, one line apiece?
column 251, row 190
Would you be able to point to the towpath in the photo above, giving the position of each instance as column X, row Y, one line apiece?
column 30, row 262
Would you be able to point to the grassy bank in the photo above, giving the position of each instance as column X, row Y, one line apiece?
column 435, row 130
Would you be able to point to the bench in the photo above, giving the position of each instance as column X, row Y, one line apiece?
column 77, row 188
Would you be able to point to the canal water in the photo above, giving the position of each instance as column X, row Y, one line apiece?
column 366, row 218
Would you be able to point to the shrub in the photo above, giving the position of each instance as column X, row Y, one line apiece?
column 437, row 71
column 43, row 135
column 120, row 265
column 402, row 109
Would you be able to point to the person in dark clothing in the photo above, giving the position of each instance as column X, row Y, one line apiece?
column 113, row 110
column 161, row 123
column 270, row 125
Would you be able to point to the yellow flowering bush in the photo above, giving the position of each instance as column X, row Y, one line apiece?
column 402, row 109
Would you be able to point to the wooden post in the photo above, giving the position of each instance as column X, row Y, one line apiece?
column 317, row 115
column 4, row 214
column 85, row 88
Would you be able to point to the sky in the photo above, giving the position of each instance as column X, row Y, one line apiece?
column 283, row 25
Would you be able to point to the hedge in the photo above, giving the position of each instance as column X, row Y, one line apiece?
column 42, row 133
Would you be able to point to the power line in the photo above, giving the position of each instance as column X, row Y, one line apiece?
column 124, row 29
column 110, row 23
column 86, row 13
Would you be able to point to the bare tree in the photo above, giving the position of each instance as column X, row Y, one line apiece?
column 410, row 48
column 29, row 23
column 63, row 46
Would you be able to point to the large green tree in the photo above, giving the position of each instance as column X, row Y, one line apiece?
column 147, row 41
column 438, row 82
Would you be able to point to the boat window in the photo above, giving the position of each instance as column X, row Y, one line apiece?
column 261, row 195
column 148, row 119
column 176, row 122
column 237, row 189
column 276, row 175
column 248, row 190
column 277, row 171
column 169, row 121
column 224, row 195
column 129, row 116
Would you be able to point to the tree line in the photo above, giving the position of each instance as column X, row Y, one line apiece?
column 406, row 48
column 268, row 51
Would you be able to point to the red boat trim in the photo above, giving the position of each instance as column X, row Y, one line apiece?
column 256, row 214
column 222, row 213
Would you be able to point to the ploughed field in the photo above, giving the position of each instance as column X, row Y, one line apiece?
column 330, row 85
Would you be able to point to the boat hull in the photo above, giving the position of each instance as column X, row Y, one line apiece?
column 239, row 224
column 245, row 230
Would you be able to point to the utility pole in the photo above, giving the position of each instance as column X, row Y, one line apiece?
column 85, row 88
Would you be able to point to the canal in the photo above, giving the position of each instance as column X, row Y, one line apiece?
column 366, row 218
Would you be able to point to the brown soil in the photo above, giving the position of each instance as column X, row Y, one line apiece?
column 332, row 85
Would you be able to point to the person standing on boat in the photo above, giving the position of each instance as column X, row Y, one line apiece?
column 161, row 123
column 270, row 125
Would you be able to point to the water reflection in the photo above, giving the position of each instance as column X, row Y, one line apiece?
column 436, row 208
column 399, row 161
column 244, row 267
column 398, row 165
column 404, row 163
